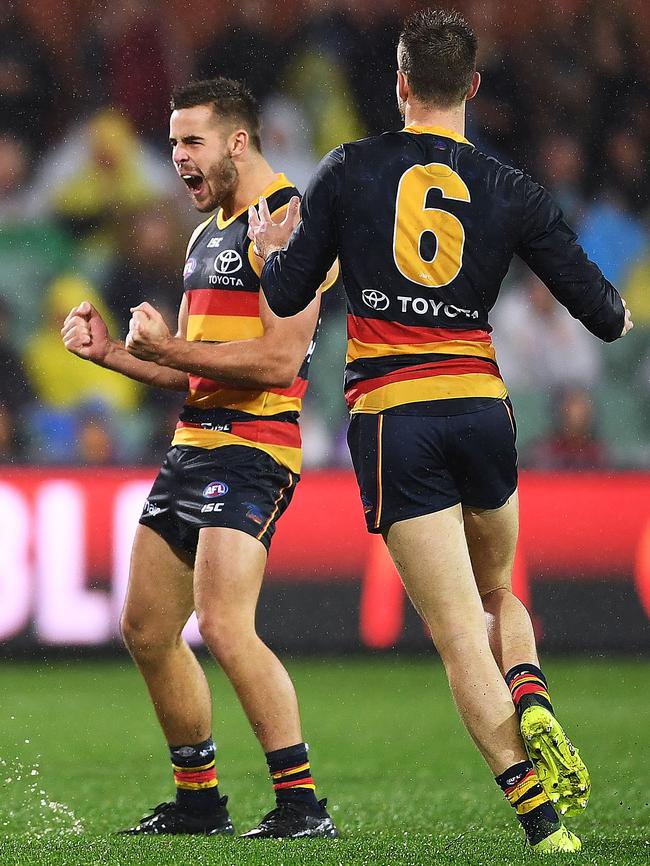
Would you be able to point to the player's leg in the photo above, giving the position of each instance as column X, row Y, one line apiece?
column 410, row 496
column 491, row 538
column 431, row 555
column 235, row 518
column 227, row 580
column 159, row 602
column 405, row 467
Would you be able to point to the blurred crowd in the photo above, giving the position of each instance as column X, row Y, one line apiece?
column 90, row 207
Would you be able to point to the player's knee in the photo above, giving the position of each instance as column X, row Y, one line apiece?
column 494, row 595
column 144, row 639
column 465, row 641
column 226, row 640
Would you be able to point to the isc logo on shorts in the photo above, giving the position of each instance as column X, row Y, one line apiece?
column 212, row 507
column 215, row 488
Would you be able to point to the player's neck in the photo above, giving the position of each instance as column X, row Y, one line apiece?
column 452, row 119
column 254, row 177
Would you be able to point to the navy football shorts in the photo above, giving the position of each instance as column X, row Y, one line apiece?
column 410, row 465
column 234, row 486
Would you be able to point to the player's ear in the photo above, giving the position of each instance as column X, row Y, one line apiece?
column 238, row 143
column 402, row 86
column 474, row 86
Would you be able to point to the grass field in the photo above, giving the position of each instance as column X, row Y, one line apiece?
column 81, row 756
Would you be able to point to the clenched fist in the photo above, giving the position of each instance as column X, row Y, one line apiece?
column 148, row 334
column 85, row 333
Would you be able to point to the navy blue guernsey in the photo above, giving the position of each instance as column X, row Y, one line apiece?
column 425, row 227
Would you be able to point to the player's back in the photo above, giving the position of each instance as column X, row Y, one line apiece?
column 429, row 227
column 427, row 216
column 426, row 228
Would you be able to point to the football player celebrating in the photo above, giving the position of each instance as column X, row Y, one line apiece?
column 425, row 227
column 232, row 469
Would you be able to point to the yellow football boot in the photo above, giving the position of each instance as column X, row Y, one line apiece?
column 562, row 841
column 558, row 764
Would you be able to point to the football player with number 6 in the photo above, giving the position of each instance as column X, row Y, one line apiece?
column 425, row 227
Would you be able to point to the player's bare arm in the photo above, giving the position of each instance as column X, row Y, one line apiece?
column 85, row 334
column 269, row 361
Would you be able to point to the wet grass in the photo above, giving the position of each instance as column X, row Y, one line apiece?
column 82, row 756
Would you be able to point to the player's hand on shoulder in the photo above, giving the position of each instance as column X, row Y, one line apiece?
column 85, row 334
column 269, row 236
column 628, row 324
column 148, row 333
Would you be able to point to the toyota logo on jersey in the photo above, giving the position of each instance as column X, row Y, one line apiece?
column 227, row 262
column 215, row 488
column 374, row 299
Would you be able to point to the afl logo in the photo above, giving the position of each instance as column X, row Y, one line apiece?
column 375, row 300
column 214, row 489
column 190, row 267
column 227, row 262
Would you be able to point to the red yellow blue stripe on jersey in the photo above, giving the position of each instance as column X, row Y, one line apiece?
column 222, row 316
column 375, row 338
column 466, row 367
column 280, row 439
column 210, row 394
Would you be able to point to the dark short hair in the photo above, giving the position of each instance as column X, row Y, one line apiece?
column 437, row 51
column 230, row 100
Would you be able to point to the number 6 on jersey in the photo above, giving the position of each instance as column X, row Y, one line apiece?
column 413, row 219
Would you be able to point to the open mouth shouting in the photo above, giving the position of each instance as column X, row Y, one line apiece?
column 195, row 182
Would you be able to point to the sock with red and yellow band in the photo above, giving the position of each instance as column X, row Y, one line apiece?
column 525, row 794
column 195, row 776
column 291, row 776
column 528, row 686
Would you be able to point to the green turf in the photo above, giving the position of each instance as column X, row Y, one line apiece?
column 81, row 756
